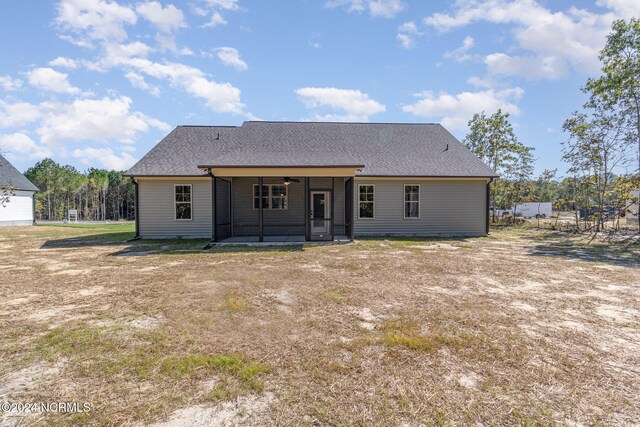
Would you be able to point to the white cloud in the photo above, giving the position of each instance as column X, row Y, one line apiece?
column 17, row 114
column 626, row 9
column 376, row 8
column 219, row 97
column 51, row 80
column 168, row 42
column 104, row 22
column 60, row 125
column 386, row 8
column 455, row 110
column 231, row 57
column 106, row 119
column 76, row 41
column 552, row 42
column 20, row 145
column 461, row 54
column 106, row 157
column 409, row 28
column 355, row 105
column 485, row 82
column 95, row 19
column 8, row 83
column 216, row 7
column 406, row 34
column 166, row 19
column 119, row 54
column 216, row 19
column 223, row 4
column 63, row 62
column 139, row 82
column 548, row 67
column 405, row 40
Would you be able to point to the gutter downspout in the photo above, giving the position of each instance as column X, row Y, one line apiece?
column 214, row 208
column 33, row 206
column 488, row 204
column 136, row 210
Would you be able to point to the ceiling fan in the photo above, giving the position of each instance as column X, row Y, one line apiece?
column 287, row 180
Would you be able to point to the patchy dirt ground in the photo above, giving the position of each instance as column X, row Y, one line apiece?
column 522, row 327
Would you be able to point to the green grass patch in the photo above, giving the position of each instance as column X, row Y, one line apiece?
column 405, row 333
column 67, row 342
column 334, row 296
column 235, row 303
column 246, row 373
column 111, row 226
column 224, row 390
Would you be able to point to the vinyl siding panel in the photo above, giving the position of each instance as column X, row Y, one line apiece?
column 19, row 209
column 157, row 210
column 446, row 208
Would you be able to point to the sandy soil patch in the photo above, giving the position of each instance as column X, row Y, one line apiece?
column 251, row 410
column 27, row 379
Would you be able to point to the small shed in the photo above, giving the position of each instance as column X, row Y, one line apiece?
column 19, row 207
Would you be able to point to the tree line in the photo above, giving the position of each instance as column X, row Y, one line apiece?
column 601, row 149
column 96, row 194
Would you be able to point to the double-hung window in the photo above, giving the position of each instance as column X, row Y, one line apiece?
column 411, row 201
column 183, row 202
column 365, row 201
column 274, row 197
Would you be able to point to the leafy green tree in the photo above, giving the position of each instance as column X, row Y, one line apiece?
column 492, row 139
column 44, row 176
column 100, row 181
column 546, row 188
column 97, row 194
column 595, row 148
column 518, row 176
column 617, row 90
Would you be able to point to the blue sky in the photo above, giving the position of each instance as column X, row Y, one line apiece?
column 97, row 83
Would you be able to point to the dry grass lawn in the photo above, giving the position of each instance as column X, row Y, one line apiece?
column 520, row 328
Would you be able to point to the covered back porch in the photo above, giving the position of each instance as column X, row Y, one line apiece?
column 282, row 204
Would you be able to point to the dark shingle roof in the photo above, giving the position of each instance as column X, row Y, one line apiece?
column 12, row 178
column 385, row 149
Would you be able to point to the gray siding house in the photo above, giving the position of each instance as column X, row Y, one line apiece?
column 269, row 181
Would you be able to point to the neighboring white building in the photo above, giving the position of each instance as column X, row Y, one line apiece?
column 19, row 209
column 534, row 209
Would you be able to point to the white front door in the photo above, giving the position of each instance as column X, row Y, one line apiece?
column 320, row 214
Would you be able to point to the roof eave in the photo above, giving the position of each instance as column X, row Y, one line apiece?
column 281, row 166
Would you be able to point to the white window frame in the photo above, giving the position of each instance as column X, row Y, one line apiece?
column 175, row 202
column 373, row 202
column 404, row 201
column 269, row 196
